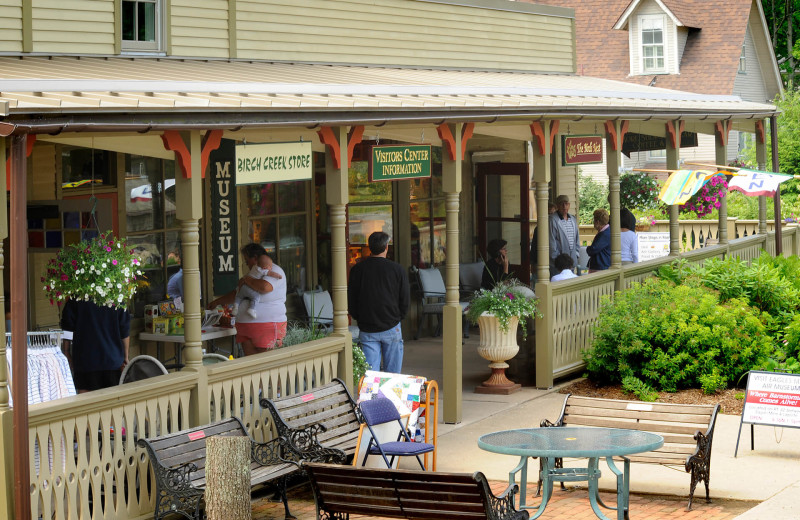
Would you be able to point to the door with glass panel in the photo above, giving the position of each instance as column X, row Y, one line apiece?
column 503, row 212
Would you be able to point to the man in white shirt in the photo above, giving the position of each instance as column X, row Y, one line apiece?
column 564, row 264
column 564, row 236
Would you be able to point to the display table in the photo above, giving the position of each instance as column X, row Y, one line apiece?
column 207, row 334
column 559, row 442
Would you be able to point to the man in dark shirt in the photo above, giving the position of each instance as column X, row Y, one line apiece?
column 377, row 297
column 98, row 350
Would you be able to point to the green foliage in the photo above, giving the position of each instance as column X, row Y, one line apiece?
column 674, row 272
column 634, row 385
column 300, row 332
column 638, row 191
column 591, row 196
column 360, row 365
column 505, row 300
column 670, row 336
column 713, row 382
column 742, row 206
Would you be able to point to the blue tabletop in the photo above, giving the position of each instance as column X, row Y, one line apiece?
column 570, row 442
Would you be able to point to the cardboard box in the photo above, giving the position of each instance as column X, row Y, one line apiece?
column 176, row 327
column 160, row 325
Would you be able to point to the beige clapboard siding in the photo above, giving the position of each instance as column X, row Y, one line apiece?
column 79, row 26
column 199, row 28
column 11, row 26
column 403, row 33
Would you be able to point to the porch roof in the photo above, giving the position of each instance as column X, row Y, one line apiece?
column 52, row 94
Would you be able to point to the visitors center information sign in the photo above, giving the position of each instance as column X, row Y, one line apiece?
column 395, row 162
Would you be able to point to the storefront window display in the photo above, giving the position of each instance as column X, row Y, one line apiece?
column 277, row 221
column 367, row 212
column 152, row 227
column 428, row 217
column 83, row 167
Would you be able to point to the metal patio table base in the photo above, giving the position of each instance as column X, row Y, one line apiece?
column 549, row 444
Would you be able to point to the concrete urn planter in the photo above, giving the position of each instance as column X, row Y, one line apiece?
column 498, row 347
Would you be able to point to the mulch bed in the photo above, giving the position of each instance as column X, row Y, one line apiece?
column 727, row 399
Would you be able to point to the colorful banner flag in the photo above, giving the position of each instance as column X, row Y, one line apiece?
column 682, row 184
column 755, row 183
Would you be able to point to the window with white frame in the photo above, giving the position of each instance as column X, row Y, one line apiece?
column 743, row 60
column 142, row 25
column 652, row 34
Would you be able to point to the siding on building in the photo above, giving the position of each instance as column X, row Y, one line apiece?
column 11, row 26
column 73, row 26
column 650, row 7
column 404, row 32
column 749, row 85
column 199, row 28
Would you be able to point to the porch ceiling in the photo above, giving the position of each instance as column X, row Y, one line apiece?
column 56, row 94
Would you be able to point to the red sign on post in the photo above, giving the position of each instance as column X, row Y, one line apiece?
column 581, row 149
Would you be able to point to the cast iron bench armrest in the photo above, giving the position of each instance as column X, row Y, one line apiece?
column 303, row 446
column 502, row 505
column 270, row 453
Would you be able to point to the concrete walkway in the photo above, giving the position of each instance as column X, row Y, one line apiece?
column 770, row 474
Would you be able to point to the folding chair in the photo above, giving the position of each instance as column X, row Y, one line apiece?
column 381, row 411
column 430, row 285
column 319, row 309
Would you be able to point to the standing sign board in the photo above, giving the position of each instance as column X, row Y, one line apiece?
column 581, row 149
column 276, row 162
column 771, row 399
column 652, row 245
column 396, row 162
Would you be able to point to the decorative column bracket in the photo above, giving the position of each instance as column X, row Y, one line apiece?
column 675, row 135
column 761, row 135
column 450, row 141
column 723, row 130
column 611, row 134
column 174, row 142
column 28, row 150
column 327, row 137
column 538, row 131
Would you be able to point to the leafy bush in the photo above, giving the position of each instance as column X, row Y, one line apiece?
column 671, row 336
column 635, row 386
column 300, row 332
column 591, row 196
column 360, row 365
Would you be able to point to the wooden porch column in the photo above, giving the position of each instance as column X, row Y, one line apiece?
column 338, row 153
column 6, row 414
column 19, row 326
column 722, row 130
column 615, row 133
column 454, row 140
column 776, row 200
column 674, row 129
column 761, row 159
column 543, row 133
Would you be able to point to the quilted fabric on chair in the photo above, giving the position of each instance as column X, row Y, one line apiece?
column 381, row 411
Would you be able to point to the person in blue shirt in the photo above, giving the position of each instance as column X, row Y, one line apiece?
column 600, row 250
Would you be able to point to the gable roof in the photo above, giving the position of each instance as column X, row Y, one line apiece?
column 710, row 59
column 681, row 12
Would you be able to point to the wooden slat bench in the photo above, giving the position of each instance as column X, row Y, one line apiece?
column 320, row 425
column 340, row 491
column 688, row 430
column 178, row 461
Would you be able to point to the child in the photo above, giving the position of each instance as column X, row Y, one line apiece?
column 260, row 272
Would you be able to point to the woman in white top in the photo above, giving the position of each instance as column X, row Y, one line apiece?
column 627, row 235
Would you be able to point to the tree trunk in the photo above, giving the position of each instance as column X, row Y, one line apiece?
column 228, row 478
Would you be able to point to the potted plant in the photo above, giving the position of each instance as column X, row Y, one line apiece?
column 638, row 191
column 101, row 270
column 498, row 312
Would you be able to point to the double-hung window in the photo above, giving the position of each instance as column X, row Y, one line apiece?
column 142, row 25
column 652, row 33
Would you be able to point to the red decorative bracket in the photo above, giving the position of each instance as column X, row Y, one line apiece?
column 723, row 129
column 760, row 133
column 675, row 137
column 174, row 142
column 327, row 137
column 611, row 130
column 537, row 130
column 30, row 140
column 450, row 142
column 211, row 142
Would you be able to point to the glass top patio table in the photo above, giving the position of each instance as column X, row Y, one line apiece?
column 549, row 444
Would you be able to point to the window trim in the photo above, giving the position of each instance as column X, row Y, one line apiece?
column 157, row 46
column 642, row 68
column 743, row 60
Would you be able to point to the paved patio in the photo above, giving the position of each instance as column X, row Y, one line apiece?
column 755, row 485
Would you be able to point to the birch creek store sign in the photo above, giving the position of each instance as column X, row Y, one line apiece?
column 581, row 149
column 771, row 399
column 395, row 162
column 224, row 245
column 276, row 162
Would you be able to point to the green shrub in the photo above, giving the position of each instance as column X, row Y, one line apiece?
column 360, row 365
column 591, row 196
column 713, row 382
column 299, row 332
column 669, row 336
column 635, row 386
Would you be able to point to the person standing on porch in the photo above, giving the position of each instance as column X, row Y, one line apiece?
column 378, row 298
column 564, row 231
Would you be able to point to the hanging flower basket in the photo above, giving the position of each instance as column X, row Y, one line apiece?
column 707, row 199
column 102, row 270
column 638, row 191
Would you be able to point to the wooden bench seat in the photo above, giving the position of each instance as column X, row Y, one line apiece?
column 340, row 491
column 178, row 461
column 688, row 430
column 320, row 425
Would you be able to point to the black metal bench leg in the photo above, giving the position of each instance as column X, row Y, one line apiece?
column 282, row 487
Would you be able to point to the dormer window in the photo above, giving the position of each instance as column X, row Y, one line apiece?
column 652, row 38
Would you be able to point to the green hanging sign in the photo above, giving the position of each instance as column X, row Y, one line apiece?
column 396, row 162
